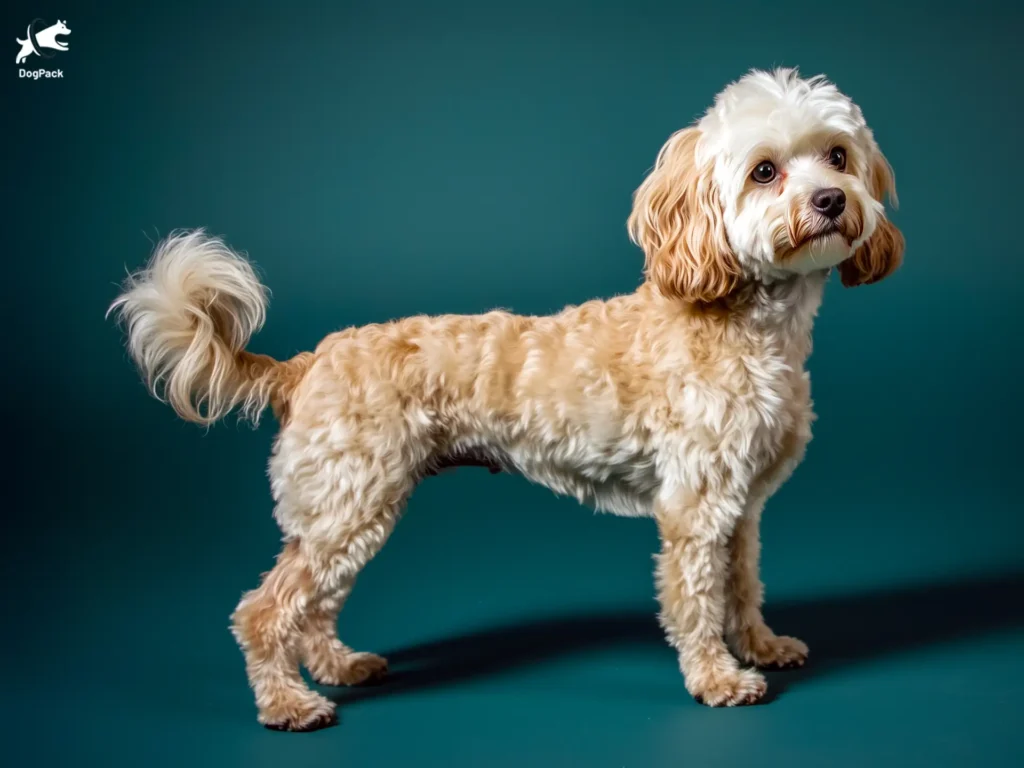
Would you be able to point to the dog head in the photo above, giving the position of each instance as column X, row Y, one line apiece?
column 781, row 176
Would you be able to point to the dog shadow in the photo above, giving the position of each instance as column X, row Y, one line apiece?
column 841, row 631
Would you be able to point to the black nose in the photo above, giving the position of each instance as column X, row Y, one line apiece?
column 829, row 202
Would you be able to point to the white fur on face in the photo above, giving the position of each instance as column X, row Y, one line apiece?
column 794, row 123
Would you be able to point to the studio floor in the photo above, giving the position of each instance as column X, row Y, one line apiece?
column 499, row 658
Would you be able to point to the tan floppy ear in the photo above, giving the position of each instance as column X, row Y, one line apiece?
column 677, row 221
column 883, row 252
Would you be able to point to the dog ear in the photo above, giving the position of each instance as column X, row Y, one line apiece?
column 677, row 220
column 880, row 256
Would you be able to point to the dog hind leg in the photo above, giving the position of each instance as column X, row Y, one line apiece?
column 339, row 496
column 292, row 616
column 356, row 534
column 267, row 625
column 329, row 660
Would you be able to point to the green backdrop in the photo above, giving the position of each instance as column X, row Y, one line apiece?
column 378, row 159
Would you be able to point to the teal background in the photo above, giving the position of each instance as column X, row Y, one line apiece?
column 383, row 159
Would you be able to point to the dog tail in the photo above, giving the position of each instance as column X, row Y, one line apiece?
column 189, row 315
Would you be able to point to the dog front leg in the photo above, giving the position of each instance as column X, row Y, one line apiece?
column 754, row 641
column 691, row 577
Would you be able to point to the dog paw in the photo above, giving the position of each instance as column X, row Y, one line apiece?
column 732, row 688
column 774, row 652
column 352, row 668
column 366, row 668
column 300, row 714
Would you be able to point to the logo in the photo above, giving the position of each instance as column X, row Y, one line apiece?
column 41, row 41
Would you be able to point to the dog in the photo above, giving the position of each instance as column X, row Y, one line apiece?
column 45, row 38
column 686, row 401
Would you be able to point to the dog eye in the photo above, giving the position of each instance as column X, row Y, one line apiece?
column 764, row 173
column 837, row 158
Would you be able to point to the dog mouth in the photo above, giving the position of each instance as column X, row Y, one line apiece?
column 827, row 233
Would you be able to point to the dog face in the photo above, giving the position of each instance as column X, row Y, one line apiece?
column 781, row 176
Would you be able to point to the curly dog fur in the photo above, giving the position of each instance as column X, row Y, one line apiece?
column 687, row 400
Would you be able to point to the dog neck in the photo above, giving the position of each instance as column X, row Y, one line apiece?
column 780, row 309
column 786, row 305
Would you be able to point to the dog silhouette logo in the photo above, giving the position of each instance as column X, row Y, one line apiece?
column 41, row 41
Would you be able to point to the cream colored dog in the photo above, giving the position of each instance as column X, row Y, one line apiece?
column 686, row 400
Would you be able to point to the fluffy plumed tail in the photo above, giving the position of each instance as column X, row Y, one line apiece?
column 189, row 314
